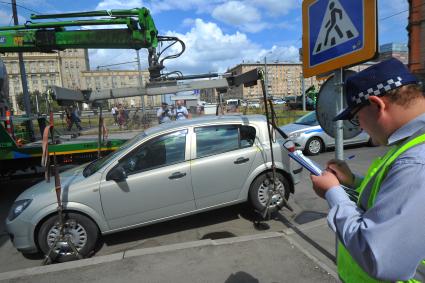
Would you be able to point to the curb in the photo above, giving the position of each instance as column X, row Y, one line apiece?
column 161, row 249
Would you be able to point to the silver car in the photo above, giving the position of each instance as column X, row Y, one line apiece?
column 169, row 171
column 309, row 137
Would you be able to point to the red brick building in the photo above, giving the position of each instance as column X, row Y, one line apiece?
column 416, row 29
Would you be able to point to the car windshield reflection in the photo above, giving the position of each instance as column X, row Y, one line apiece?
column 94, row 166
column 308, row 120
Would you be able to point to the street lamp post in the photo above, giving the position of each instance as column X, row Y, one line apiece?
column 139, row 69
column 302, row 89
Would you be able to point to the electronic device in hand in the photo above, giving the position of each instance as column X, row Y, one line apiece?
column 306, row 162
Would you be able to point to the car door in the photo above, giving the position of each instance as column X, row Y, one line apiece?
column 221, row 162
column 157, row 184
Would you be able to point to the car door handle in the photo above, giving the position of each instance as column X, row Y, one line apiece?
column 177, row 175
column 241, row 160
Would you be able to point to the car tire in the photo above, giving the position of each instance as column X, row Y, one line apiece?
column 258, row 192
column 83, row 233
column 313, row 146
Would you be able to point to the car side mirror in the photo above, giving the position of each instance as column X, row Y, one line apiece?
column 117, row 174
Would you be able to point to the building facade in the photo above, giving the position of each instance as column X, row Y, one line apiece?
column 284, row 79
column 399, row 51
column 42, row 69
column 72, row 62
column 416, row 29
column 70, row 69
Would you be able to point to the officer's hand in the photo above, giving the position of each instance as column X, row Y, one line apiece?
column 341, row 170
column 321, row 184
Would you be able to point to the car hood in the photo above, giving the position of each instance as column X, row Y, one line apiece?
column 46, row 189
column 290, row 128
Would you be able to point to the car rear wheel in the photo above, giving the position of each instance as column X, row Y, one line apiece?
column 313, row 146
column 80, row 230
column 259, row 192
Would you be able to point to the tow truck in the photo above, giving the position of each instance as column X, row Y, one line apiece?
column 139, row 32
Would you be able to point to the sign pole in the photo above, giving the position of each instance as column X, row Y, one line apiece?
column 339, row 131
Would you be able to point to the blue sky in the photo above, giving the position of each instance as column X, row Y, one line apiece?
column 218, row 34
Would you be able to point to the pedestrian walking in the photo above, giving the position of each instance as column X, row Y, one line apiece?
column 75, row 119
column 114, row 112
column 381, row 236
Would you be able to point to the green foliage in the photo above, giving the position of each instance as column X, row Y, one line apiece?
column 34, row 96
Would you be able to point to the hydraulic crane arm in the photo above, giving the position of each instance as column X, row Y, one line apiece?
column 140, row 32
column 64, row 95
column 51, row 36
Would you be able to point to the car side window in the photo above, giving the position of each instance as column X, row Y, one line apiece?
column 158, row 152
column 247, row 136
column 212, row 140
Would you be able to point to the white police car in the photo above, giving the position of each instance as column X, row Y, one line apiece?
column 309, row 137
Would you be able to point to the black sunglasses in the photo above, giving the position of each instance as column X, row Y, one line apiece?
column 354, row 119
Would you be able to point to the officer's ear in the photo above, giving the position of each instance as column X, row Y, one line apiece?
column 378, row 102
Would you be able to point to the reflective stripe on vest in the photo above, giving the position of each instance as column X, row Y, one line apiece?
column 348, row 269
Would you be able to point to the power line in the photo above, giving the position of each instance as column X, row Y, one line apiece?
column 20, row 6
column 382, row 19
column 398, row 13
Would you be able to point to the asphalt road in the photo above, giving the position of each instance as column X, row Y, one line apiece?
column 227, row 222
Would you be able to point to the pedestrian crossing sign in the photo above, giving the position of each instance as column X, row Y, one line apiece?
column 337, row 33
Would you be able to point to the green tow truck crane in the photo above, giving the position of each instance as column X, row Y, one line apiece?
column 139, row 32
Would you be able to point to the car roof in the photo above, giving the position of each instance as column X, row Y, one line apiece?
column 223, row 119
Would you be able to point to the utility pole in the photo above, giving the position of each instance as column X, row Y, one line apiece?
column 303, row 89
column 27, row 102
column 139, row 68
column 266, row 78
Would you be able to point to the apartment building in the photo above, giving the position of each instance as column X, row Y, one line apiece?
column 72, row 62
column 399, row 51
column 284, row 79
column 416, row 29
column 71, row 69
column 61, row 68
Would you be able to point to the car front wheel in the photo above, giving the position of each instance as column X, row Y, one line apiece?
column 313, row 146
column 78, row 229
column 259, row 192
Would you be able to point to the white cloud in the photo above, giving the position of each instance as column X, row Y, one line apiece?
column 236, row 13
column 201, row 6
column 208, row 49
column 282, row 53
column 117, row 4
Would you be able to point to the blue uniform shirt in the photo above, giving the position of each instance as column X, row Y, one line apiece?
column 387, row 240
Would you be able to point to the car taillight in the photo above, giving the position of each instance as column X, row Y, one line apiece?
column 289, row 145
column 291, row 149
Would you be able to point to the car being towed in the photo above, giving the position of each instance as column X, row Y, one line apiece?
column 309, row 136
column 172, row 170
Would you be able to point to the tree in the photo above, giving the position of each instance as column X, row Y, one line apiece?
column 34, row 96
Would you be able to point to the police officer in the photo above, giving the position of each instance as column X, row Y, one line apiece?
column 382, row 235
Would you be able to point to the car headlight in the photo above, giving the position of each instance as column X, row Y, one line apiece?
column 294, row 135
column 17, row 208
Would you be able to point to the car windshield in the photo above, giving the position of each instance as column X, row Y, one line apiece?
column 94, row 166
column 308, row 120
